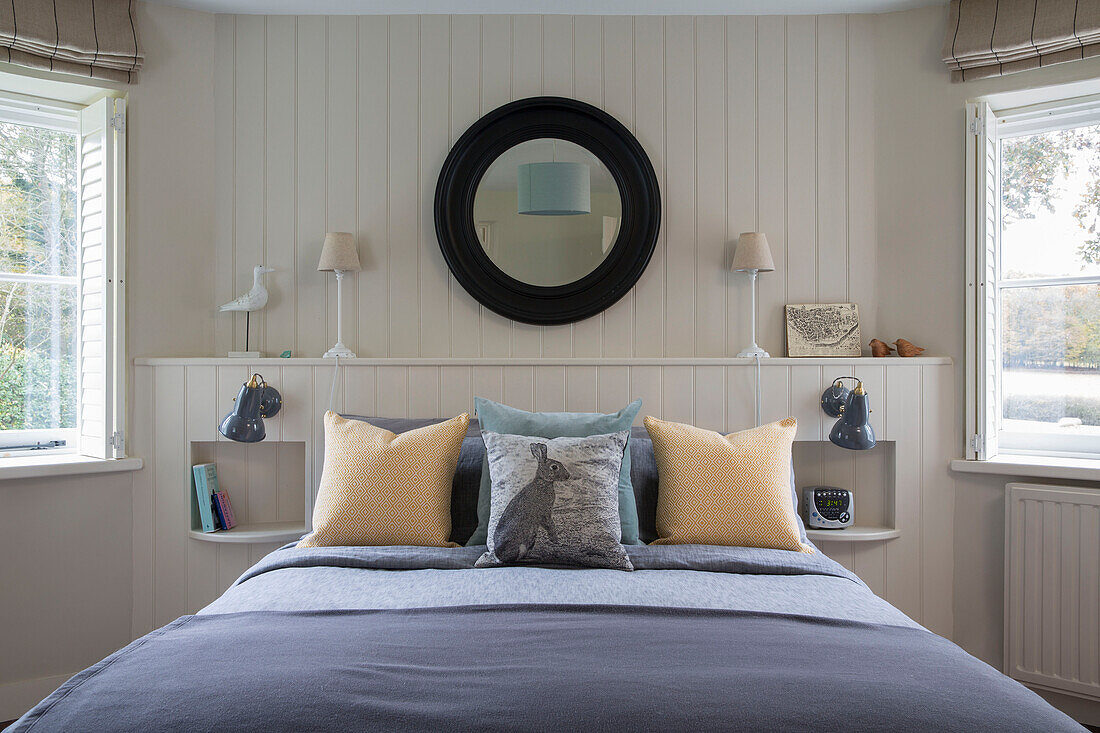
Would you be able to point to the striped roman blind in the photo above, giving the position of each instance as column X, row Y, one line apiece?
column 95, row 38
column 987, row 38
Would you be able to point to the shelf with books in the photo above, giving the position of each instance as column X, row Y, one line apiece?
column 263, row 488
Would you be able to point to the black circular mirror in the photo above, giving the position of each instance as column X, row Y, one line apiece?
column 547, row 210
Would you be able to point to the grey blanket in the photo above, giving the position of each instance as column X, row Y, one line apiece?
column 707, row 558
column 552, row 668
column 696, row 576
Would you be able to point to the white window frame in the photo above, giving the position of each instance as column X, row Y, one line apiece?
column 100, row 130
column 985, row 128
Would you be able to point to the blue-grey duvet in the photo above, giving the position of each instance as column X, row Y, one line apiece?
column 697, row 638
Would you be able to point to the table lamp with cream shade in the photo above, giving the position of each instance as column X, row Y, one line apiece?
column 339, row 255
column 752, row 256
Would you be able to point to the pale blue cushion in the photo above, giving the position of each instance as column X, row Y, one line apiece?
column 498, row 418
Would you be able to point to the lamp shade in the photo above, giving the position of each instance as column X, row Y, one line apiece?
column 752, row 253
column 853, row 430
column 339, row 253
column 256, row 401
column 553, row 189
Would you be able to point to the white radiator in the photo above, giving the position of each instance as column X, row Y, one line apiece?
column 1052, row 587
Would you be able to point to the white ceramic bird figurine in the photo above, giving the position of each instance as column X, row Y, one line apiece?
column 256, row 298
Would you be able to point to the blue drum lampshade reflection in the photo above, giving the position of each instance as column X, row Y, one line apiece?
column 554, row 189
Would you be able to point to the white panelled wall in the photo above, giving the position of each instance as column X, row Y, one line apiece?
column 904, row 482
column 342, row 124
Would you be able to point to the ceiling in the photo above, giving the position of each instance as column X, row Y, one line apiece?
column 550, row 7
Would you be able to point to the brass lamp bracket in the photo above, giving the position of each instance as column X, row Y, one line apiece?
column 271, row 401
column 835, row 397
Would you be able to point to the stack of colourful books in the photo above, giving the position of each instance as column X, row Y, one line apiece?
column 215, row 511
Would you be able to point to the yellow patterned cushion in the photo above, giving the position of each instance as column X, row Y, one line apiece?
column 732, row 490
column 378, row 488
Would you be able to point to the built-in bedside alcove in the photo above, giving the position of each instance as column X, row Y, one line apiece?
column 868, row 474
column 266, row 483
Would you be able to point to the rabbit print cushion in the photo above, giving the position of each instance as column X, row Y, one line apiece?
column 555, row 501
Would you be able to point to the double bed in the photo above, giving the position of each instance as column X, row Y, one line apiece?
column 412, row 638
column 404, row 638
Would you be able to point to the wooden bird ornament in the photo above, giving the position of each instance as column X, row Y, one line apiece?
column 880, row 348
column 906, row 348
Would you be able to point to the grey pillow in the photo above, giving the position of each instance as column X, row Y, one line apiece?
column 555, row 501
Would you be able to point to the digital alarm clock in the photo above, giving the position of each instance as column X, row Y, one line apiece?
column 827, row 507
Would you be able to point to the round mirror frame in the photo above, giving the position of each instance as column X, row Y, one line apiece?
column 564, row 119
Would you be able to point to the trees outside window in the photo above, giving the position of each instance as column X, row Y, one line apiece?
column 1049, row 286
column 38, row 279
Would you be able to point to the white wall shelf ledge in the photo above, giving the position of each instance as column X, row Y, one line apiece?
column 62, row 464
column 1073, row 469
column 854, row 533
column 888, row 361
column 249, row 533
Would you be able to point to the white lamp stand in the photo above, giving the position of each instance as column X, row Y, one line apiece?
column 339, row 255
column 752, row 256
column 754, row 350
column 339, row 350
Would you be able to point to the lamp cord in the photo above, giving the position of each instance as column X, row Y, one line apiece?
column 332, row 389
column 757, row 390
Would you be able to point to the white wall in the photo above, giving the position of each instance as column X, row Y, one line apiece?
column 66, row 542
column 343, row 124
column 170, row 178
column 920, row 180
column 65, row 580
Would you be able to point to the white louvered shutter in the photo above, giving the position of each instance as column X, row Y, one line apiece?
column 985, row 361
column 102, row 225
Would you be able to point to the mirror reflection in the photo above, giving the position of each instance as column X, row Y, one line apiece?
column 547, row 212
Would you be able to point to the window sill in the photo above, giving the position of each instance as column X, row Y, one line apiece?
column 63, row 464
column 1074, row 469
